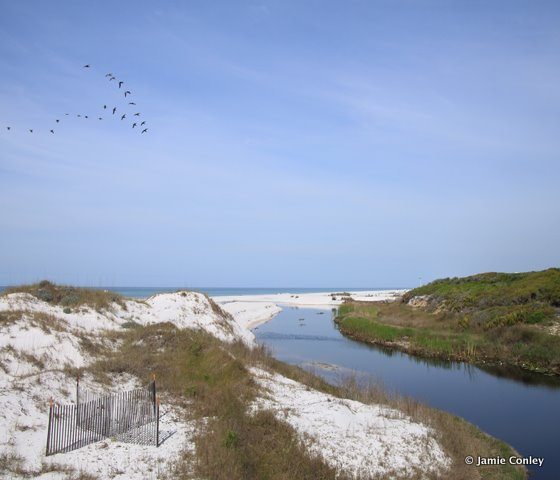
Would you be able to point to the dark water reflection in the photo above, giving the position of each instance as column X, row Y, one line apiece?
column 518, row 407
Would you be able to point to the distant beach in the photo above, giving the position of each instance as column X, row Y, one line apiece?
column 145, row 292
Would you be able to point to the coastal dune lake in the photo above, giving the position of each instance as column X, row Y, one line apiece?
column 520, row 408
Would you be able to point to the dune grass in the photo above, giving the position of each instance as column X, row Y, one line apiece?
column 68, row 296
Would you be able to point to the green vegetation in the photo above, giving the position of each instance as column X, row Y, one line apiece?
column 212, row 380
column 491, row 318
column 69, row 297
column 491, row 300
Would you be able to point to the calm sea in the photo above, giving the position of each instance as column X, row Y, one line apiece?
column 144, row 292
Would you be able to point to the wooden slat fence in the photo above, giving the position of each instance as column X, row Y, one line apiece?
column 130, row 416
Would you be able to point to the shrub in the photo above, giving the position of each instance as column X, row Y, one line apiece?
column 44, row 295
column 130, row 324
column 71, row 299
column 231, row 439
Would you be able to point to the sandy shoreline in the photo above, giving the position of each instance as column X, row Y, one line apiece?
column 253, row 310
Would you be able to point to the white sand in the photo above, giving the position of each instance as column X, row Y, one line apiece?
column 253, row 310
column 119, row 460
column 250, row 314
column 183, row 309
column 363, row 440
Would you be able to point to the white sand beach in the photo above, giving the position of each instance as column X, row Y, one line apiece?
column 253, row 310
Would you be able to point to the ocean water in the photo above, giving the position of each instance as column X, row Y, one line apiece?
column 144, row 292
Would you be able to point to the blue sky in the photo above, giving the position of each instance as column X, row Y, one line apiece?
column 290, row 143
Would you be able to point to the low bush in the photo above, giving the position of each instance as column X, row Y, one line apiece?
column 488, row 290
column 68, row 296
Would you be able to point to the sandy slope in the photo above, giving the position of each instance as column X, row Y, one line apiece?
column 35, row 348
column 351, row 436
column 184, row 309
column 250, row 314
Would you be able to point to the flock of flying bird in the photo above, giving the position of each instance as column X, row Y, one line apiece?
column 136, row 116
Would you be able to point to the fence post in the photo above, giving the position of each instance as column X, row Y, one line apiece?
column 157, row 423
column 77, row 400
column 106, row 416
column 49, row 426
column 154, row 390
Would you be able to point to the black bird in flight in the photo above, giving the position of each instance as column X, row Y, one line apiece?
column 52, row 131
column 30, row 130
column 120, row 83
column 137, row 114
column 66, row 114
column 87, row 66
column 112, row 78
column 143, row 123
column 145, row 130
column 114, row 110
column 9, row 128
column 128, row 92
column 99, row 118
column 86, row 116
column 109, row 75
column 57, row 120
column 123, row 117
column 104, row 107
column 133, row 125
column 131, row 103
column 78, row 115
